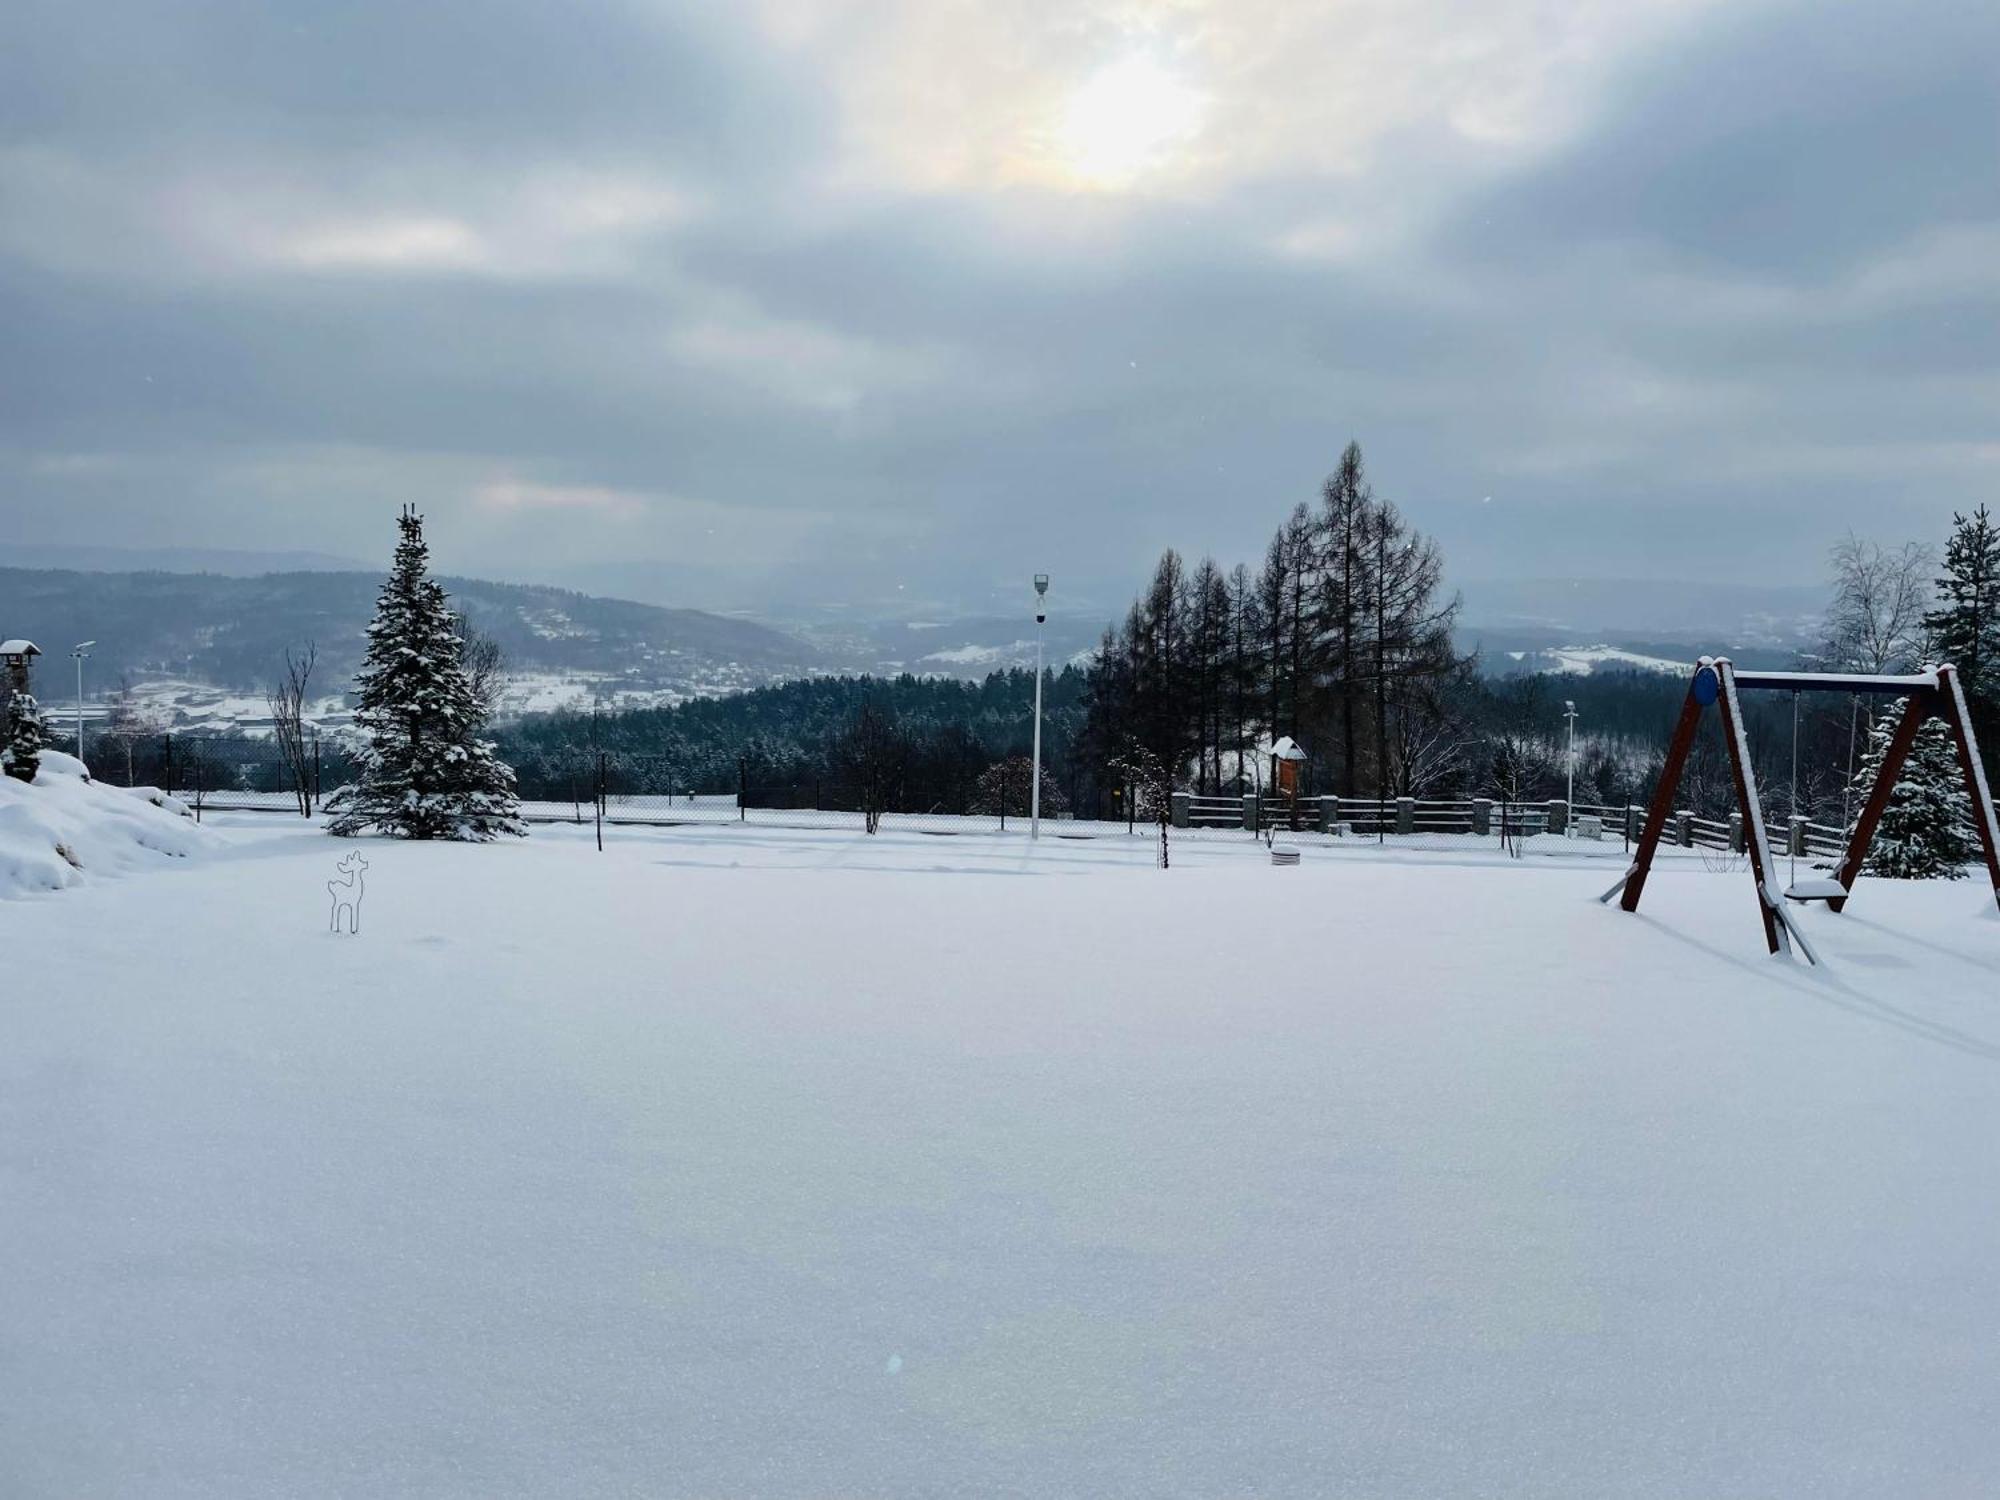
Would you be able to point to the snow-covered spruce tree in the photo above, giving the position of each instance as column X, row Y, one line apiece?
column 21, row 736
column 1964, row 626
column 426, row 773
column 1923, row 833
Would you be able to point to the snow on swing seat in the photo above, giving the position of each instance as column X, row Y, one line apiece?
column 1827, row 889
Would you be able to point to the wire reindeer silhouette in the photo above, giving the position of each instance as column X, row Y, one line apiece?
column 347, row 893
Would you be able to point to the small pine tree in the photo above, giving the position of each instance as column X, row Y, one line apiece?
column 21, row 736
column 426, row 773
column 1923, row 833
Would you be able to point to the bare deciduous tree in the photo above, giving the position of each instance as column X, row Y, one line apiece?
column 288, row 723
column 1427, row 747
column 1874, row 622
column 484, row 662
column 1521, row 762
column 127, row 723
column 1151, row 785
column 870, row 756
column 1004, row 787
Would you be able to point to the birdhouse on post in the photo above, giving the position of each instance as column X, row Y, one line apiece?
column 1286, row 759
column 14, row 658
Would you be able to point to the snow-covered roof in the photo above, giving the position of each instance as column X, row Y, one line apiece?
column 1288, row 748
column 19, row 648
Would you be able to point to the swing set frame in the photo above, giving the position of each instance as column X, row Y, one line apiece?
column 1934, row 690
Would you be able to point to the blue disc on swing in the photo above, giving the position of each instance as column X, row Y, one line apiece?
column 1707, row 686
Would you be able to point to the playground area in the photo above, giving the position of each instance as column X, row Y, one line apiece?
column 739, row 1160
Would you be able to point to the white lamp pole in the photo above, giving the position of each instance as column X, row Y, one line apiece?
column 82, row 654
column 1035, row 775
column 1569, row 807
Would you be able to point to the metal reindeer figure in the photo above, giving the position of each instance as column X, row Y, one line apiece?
column 346, row 893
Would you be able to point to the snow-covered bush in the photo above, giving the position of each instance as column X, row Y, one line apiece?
column 63, row 828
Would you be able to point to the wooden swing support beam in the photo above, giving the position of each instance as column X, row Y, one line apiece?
column 1936, row 690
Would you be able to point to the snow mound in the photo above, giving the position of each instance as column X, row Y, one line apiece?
column 63, row 827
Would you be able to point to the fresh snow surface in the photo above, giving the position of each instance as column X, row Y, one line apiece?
column 750, row 1162
column 63, row 828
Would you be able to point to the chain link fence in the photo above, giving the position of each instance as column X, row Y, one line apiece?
column 248, row 774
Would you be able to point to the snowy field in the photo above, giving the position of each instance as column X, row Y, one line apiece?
column 749, row 1162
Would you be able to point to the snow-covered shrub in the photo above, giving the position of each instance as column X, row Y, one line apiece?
column 63, row 828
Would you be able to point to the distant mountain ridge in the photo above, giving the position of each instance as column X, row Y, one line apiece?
column 233, row 631
column 234, row 562
column 1703, row 613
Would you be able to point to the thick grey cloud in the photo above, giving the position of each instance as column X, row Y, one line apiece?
column 706, row 305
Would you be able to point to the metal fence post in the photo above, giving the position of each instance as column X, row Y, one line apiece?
column 1182, row 807
column 599, row 800
column 1558, row 815
column 1684, row 828
column 1796, row 835
column 1736, row 840
column 1329, row 815
column 1406, row 815
column 742, row 788
column 1250, row 811
column 167, row 763
column 1482, row 816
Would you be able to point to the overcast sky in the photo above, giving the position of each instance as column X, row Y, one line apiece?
column 731, row 303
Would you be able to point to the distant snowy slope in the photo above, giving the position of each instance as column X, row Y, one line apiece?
column 1581, row 661
column 232, row 632
column 63, row 828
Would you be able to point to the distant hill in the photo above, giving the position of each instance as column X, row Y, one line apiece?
column 1704, row 614
column 232, row 561
column 233, row 631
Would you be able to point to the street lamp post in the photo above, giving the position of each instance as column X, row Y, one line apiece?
column 1035, row 772
column 82, row 654
column 1569, row 807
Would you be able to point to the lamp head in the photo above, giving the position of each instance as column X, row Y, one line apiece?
column 1041, row 597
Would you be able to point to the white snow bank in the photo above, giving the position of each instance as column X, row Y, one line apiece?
column 63, row 827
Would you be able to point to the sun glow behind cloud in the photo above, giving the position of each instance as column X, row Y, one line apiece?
column 1191, row 98
column 1128, row 120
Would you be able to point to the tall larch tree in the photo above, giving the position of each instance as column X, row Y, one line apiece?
column 1345, row 523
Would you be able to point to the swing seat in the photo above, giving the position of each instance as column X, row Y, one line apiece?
column 1827, row 889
